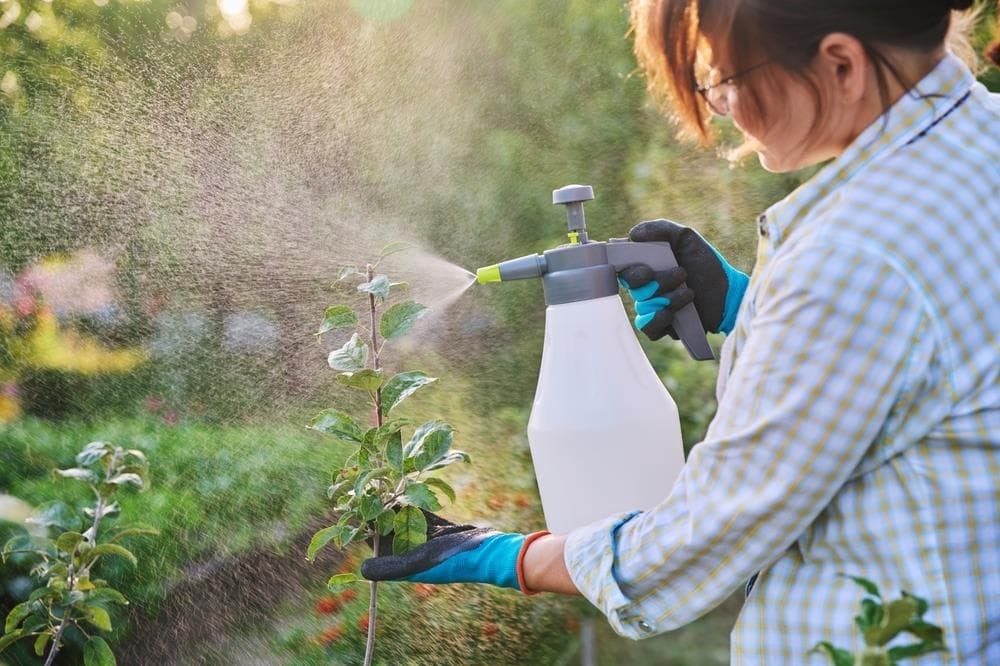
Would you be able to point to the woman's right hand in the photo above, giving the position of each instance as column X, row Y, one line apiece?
column 715, row 287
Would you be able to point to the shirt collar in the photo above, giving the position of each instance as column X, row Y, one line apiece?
column 913, row 114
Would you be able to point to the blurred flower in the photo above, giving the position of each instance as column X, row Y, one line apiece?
column 81, row 284
column 424, row 590
column 497, row 501
column 171, row 418
column 348, row 595
column 327, row 605
column 331, row 635
column 363, row 623
column 154, row 403
column 490, row 629
column 522, row 501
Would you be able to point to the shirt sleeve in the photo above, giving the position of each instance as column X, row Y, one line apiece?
column 823, row 361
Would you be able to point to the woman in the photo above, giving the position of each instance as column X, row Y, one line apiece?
column 858, row 427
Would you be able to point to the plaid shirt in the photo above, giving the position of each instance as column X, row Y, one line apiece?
column 858, row 427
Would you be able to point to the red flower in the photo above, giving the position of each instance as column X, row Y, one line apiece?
column 171, row 418
column 522, row 501
column 154, row 403
column 331, row 635
column 424, row 590
column 327, row 605
column 349, row 595
column 572, row 623
column 363, row 623
column 490, row 629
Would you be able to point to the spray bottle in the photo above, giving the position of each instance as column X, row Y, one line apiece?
column 604, row 432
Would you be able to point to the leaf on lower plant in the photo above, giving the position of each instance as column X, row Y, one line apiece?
column 337, row 423
column 337, row 316
column 419, row 495
column 351, row 357
column 838, row 656
column 98, row 617
column 320, row 539
column 442, row 486
column 402, row 386
column 410, row 530
column 400, row 318
column 341, row 580
column 97, row 653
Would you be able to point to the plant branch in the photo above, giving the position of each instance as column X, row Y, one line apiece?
column 376, row 350
column 372, row 609
column 55, row 641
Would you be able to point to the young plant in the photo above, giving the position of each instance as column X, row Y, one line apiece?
column 68, row 595
column 879, row 623
column 386, row 482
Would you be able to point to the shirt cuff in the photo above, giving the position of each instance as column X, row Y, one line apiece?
column 591, row 554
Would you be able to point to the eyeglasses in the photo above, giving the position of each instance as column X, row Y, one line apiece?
column 714, row 93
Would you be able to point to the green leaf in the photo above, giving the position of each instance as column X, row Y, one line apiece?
column 869, row 586
column 126, row 479
column 922, row 604
column 17, row 615
column 351, row 357
column 348, row 271
column 337, row 316
column 94, row 452
column 8, row 639
column 56, row 514
column 384, row 522
column 913, row 650
column 362, row 481
column 452, row 457
column 338, row 489
column 416, row 444
column 341, row 580
column 78, row 473
column 870, row 616
column 337, row 423
column 442, row 486
column 97, row 653
column 108, row 594
column 320, row 539
column 135, row 531
column 110, row 549
column 402, row 386
column 378, row 286
column 40, row 642
column 410, row 529
column 67, row 541
column 369, row 507
column 136, row 453
column 838, row 657
column 929, row 633
column 98, row 617
column 418, row 494
column 898, row 615
column 367, row 379
column 393, row 248
column 106, row 510
column 400, row 318
column 394, row 451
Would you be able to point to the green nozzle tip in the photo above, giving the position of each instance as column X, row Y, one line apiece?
column 488, row 274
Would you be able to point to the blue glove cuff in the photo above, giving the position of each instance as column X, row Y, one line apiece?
column 738, row 282
column 494, row 561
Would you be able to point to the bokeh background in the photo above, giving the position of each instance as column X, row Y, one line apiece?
column 180, row 184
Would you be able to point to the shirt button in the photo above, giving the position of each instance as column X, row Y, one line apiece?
column 762, row 224
column 644, row 626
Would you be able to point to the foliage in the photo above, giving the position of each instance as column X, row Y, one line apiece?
column 880, row 622
column 69, row 596
column 386, row 484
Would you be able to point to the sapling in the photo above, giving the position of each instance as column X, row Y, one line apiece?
column 68, row 595
column 386, row 483
column 880, row 622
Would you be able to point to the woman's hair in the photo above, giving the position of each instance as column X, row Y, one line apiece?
column 670, row 35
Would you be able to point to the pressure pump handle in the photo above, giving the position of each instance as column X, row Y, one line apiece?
column 660, row 257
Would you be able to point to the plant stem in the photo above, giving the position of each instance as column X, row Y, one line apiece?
column 373, row 597
column 372, row 609
column 55, row 641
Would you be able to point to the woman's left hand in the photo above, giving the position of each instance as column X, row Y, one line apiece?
column 455, row 554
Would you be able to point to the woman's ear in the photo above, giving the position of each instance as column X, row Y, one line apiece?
column 842, row 62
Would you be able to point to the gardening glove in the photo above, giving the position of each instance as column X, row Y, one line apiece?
column 715, row 287
column 455, row 554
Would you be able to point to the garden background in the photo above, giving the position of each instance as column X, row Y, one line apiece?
column 180, row 184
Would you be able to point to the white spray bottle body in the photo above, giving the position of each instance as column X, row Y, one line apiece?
column 604, row 432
